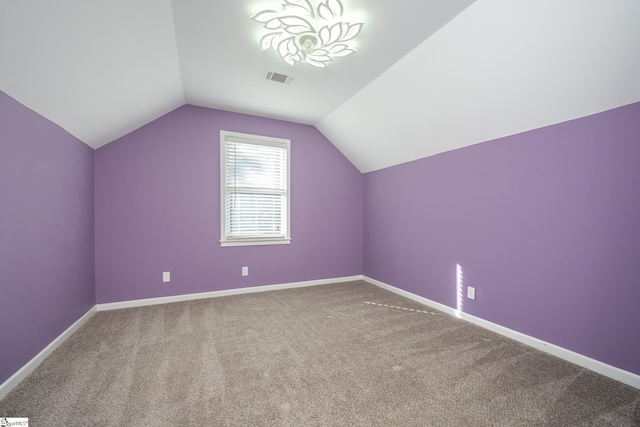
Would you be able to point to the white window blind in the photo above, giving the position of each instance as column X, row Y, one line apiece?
column 255, row 189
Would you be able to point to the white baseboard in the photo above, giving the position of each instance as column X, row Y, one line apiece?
column 617, row 374
column 22, row 373
column 224, row 293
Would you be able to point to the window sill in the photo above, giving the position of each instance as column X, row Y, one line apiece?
column 224, row 243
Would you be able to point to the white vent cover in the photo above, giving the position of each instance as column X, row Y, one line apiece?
column 277, row 77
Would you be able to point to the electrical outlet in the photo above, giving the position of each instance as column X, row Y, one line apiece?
column 245, row 271
column 166, row 276
column 471, row 292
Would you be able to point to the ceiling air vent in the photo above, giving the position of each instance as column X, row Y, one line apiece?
column 277, row 77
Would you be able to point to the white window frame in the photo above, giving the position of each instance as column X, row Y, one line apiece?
column 257, row 140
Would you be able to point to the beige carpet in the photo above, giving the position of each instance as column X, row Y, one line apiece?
column 337, row 355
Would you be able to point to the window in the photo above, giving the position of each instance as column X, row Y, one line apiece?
column 254, row 196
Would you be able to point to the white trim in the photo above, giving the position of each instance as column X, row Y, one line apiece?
column 29, row 367
column 613, row 372
column 414, row 297
column 618, row 374
column 255, row 242
column 223, row 293
column 230, row 136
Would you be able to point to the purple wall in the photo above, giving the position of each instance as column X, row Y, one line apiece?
column 545, row 224
column 46, row 233
column 158, row 209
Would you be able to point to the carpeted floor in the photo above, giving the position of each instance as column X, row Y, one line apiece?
column 338, row 355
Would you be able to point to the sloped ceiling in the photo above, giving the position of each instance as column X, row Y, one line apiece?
column 429, row 75
column 499, row 68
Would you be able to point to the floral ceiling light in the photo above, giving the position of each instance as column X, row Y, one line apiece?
column 311, row 31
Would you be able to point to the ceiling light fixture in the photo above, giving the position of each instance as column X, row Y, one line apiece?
column 311, row 31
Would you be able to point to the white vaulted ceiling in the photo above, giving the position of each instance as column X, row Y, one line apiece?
column 429, row 76
column 500, row 68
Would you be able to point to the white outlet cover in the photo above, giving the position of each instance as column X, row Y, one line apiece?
column 166, row 276
column 245, row 271
column 471, row 292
